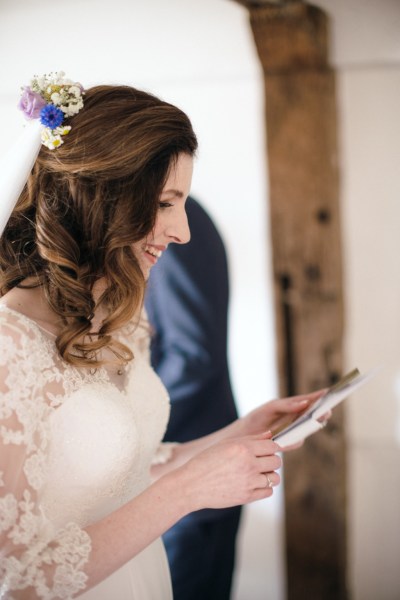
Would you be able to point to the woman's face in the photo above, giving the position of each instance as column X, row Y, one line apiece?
column 171, row 222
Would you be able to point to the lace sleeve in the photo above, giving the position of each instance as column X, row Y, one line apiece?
column 36, row 561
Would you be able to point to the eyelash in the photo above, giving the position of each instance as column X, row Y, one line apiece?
column 165, row 204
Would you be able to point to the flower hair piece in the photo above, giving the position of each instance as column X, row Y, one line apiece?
column 51, row 99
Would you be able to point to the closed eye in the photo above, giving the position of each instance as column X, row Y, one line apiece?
column 165, row 204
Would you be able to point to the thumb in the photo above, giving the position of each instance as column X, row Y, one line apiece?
column 267, row 434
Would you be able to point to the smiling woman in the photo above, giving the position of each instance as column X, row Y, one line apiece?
column 86, row 205
column 83, row 501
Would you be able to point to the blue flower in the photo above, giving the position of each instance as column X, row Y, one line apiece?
column 51, row 116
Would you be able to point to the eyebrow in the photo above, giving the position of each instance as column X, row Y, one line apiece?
column 177, row 193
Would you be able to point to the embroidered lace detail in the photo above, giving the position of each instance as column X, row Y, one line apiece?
column 32, row 553
column 67, row 552
column 74, row 446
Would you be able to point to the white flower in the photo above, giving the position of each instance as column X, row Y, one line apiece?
column 72, row 108
column 62, row 130
column 56, row 98
column 75, row 91
column 40, row 82
column 62, row 93
column 59, row 78
column 49, row 140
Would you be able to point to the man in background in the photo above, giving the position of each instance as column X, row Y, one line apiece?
column 187, row 304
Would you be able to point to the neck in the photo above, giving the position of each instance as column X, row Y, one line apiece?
column 100, row 314
column 30, row 300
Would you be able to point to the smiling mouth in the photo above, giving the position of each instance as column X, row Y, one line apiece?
column 153, row 251
column 152, row 254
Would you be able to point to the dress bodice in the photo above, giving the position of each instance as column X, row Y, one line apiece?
column 85, row 440
column 102, row 441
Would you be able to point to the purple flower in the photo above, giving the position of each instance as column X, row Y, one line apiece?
column 31, row 103
column 51, row 116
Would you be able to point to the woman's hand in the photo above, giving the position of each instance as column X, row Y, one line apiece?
column 276, row 414
column 232, row 472
column 271, row 416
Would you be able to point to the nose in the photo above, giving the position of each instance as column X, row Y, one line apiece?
column 179, row 231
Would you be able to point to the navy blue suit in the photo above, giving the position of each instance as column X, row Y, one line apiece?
column 187, row 303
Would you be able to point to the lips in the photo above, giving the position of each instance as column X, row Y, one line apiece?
column 153, row 250
column 153, row 253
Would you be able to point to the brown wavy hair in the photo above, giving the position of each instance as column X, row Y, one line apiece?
column 83, row 206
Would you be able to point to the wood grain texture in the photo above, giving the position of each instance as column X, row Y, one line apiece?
column 301, row 123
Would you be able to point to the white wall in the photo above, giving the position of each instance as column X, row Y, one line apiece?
column 371, row 192
column 366, row 53
column 199, row 55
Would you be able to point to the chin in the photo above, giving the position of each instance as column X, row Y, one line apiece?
column 146, row 273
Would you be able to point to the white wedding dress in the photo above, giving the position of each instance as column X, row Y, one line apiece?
column 75, row 445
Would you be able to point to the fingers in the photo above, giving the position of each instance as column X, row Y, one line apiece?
column 312, row 395
column 261, row 494
column 264, row 447
column 306, row 399
column 266, row 466
column 268, row 480
column 294, row 404
column 264, row 462
column 287, row 409
column 269, row 463
column 325, row 417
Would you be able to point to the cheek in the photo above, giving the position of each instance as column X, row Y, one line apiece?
column 135, row 248
column 159, row 226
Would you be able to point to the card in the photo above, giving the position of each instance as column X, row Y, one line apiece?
column 307, row 423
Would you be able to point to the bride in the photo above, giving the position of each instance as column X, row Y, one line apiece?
column 86, row 486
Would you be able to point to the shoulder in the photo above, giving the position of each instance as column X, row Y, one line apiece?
column 21, row 342
column 25, row 361
column 15, row 327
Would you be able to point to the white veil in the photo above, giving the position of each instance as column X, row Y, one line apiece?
column 16, row 166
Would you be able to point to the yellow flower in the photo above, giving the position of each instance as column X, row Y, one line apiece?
column 51, row 139
column 62, row 130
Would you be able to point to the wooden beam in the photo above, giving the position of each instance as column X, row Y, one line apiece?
column 256, row 3
column 292, row 43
